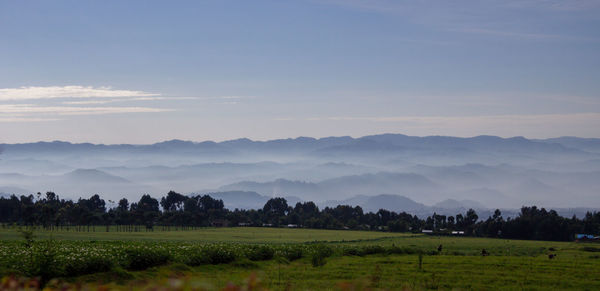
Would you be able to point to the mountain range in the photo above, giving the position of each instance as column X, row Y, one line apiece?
column 439, row 171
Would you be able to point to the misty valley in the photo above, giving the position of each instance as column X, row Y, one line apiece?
column 418, row 175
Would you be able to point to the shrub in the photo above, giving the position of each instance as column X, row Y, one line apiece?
column 292, row 253
column 259, row 253
column 197, row 258
column 42, row 262
column 320, row 252
column 401, row 250
column 317, row 260
column 210, row 254
column 218, row 255
column 352, row 251
column 140, row 259
column 373, row 249
column 323, row 250
column 88, row 265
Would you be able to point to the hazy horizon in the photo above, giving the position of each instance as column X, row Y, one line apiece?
column 488, row 171
column 298, row 137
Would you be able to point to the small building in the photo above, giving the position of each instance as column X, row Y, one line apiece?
column 580, row 237
column 244, row 224
column 292, row 226
column 267, row 224
column 427, row 231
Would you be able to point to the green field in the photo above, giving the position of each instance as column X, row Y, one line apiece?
column 359, row 260
column 229, row 234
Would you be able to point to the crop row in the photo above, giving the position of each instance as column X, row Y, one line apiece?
column 49, row 259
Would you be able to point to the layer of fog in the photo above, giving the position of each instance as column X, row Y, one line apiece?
column 487, row 172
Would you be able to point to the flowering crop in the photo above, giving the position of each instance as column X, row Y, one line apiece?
column 74, row 258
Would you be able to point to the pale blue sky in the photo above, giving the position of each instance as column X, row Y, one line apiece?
column 146, row 71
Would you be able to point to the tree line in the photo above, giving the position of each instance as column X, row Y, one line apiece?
column 180, row 211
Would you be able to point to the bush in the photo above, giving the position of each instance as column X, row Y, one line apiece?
column 211, row 254
column 401, row 250
column 259, row 253
column 373, row 249
column 88, row 265
column 376, row 249
column 218, row 255
column 197, row 258
column 292, row 253
column 140, row 259
column 42, row 262
column 324, row 250
column 320, row 253
column 352, row 251
column 317, row 260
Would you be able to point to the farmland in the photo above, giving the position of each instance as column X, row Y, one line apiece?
column 298, row 259
column 240, row 234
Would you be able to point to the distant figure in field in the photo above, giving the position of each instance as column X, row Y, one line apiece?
column 484, row 253
column 551, row 256
column 440, row 249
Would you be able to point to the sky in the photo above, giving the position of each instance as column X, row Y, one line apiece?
column 147, row 71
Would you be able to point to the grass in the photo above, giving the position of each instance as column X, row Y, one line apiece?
column 395, row 272
column 213, row 235
column 511, row 265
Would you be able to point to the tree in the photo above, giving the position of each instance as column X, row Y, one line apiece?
column 274, row 209
column 173, row 202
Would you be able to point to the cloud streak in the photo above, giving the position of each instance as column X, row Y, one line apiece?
column 26, row 119
column 53, row 92
column 27, row 109
column 442, row 120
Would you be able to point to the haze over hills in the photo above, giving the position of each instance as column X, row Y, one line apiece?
column 436, row 171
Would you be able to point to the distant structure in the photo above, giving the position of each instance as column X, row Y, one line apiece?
column 580, row 237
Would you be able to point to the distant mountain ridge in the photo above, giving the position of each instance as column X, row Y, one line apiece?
column 490, row 170
column 382, row 142
column 397, row 203
column 340, row 187
column 245, row 199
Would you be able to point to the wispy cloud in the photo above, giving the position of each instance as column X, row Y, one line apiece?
column 439, row 120
column 26, row 109
column 86, row 99
column 106, row 101
column 52, row 92
column 228, row 103
column 26, row 119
